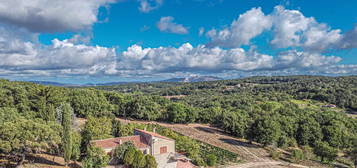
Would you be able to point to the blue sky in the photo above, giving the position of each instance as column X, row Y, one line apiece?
column 142, row 40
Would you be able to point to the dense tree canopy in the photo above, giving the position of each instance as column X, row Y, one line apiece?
column 284, row 111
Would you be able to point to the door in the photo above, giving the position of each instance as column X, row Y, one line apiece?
column 163, row 149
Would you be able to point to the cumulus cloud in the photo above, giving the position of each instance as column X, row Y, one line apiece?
column 292, row 29
column 302, row 60
column 302, row 43
column 167, row 24
column 289, row 28
column 349, row 40
column 202, row 58
column 242, row 30
column 20, row 54
column 51, row 16
column 147, row 6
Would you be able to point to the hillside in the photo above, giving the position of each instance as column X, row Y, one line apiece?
column 295, row 113
column 341, row 91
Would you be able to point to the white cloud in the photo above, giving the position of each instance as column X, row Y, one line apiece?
column 51, row 16
column 302, row 39
column 187, row 58
column 303, row 60
column 242, row 30
column 19, row 54
column 167, row 24
column 350, row 69
column 147, row 6
column 349, row 39
column 290, row 28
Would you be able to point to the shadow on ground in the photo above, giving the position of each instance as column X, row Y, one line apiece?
column 210, row 130
column 239, row 143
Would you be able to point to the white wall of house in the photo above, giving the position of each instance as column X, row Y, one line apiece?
column 159, row 143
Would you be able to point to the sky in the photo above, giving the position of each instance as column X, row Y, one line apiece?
column 99, row 41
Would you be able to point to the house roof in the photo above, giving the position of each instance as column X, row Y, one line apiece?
column 137, row 140
column 154, row 134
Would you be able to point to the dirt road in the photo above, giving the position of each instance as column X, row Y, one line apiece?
column 253, row 155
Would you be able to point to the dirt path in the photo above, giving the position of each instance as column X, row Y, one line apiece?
column 253, row 155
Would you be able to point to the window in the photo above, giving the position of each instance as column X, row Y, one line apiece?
column 163, row 149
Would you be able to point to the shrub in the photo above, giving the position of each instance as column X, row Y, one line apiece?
column 326, row 152
column 297, row 155
column 275, row 154
column 150, row 161
column 211, row 160
column 120, row 150
column 308, row 152
column 96, row 158
column 129, row 156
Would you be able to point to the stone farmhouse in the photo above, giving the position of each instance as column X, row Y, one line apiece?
column 161, row 147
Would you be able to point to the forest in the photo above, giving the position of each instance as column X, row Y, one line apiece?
column 283, row 112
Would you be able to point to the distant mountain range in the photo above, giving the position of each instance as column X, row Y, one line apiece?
column 184, row 80
column 53, row 83
column 78, row 85
column 193, row 79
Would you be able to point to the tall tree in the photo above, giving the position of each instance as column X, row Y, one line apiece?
column 67, row 112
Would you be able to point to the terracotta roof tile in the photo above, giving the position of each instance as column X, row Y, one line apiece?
column 137, row 140
column 154, row 134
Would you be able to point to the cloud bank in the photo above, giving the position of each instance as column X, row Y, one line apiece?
column 303, row 44
column 202, row 58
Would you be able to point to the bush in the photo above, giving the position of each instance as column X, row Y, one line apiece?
column 211, row 160
column 275, row 154
column 326, row 152
column 133, row 157
column 120, row 150
column 96, row 158
column 297, row 155
column 129, row 156
column 150, row 161
column 308, row 152
column 284, row 142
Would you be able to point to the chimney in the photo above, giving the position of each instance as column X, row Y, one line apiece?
column 154, row 130
column 145, row 128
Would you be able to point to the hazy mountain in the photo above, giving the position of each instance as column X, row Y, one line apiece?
column 193, row 79
column 53, row 83
column 186, row 80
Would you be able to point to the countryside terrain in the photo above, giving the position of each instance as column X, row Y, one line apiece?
column 287, row 121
